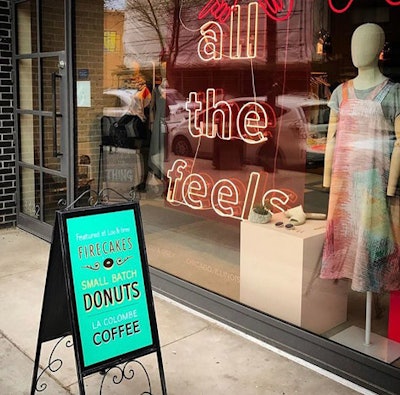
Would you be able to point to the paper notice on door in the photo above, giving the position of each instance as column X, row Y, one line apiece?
column 83, row 93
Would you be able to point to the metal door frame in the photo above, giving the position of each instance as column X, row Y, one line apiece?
column 38, row 226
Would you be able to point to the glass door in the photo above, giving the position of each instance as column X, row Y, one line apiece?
column 44, row 140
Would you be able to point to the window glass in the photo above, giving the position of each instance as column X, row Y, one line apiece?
column 27, row 28
column 213, row 110
column 52, row 20
column 28, row 84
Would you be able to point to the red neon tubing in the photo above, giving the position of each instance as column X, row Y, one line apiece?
column 333, row 8
column 272, row 7
column 393, row 3
column 341, row 11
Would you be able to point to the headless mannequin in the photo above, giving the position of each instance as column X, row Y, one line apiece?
column 366, row 45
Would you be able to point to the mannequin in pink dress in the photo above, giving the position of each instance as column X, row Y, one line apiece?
column 362, row 170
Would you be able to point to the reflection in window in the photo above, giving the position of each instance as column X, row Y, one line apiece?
column 214, row 85
column 112, row 41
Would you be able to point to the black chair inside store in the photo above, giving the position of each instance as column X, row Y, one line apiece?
column 123, row 137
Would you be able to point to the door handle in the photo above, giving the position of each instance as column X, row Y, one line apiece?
column 55, row 114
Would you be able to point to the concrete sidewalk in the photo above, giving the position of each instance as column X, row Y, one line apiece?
column 200, row 356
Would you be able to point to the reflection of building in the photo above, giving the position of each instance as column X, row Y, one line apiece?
column 294, row 38
column 290, row 43
column 113, row 46
column 143, row 41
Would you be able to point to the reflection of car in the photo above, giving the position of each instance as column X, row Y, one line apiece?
column 176, row 106
column 299, row 133
column 119, row 100
column 311, row 117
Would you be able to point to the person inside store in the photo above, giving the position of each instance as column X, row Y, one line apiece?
column 362, row 170
column 158, row 113
column 137, row 114
column 136, row 111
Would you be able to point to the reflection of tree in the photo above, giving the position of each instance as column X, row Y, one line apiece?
column 114, row 4
column 164, row 17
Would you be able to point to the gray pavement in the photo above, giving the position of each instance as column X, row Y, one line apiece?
column 200, row 356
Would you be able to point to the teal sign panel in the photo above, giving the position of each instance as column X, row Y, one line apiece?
column 108, row 285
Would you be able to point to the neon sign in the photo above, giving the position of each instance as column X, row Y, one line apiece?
column 235, row 47
column 350, row 2
column 221, row 10
column 227, row 197
column 212, row 119
column 274, row 7
column 210, row 46
column 226, row 120
column 278, row 10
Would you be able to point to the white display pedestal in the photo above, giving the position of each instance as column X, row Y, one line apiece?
column 379, row 347
column 279, row 275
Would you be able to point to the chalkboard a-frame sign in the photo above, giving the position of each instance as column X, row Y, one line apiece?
column 98, row 290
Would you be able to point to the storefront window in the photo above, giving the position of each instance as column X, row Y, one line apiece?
column 212, row 108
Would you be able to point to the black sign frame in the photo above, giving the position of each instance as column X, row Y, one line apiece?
column 59, row 316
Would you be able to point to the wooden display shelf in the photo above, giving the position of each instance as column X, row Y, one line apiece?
column 279, row 275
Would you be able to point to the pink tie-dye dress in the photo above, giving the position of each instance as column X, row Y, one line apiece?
column 360, row 240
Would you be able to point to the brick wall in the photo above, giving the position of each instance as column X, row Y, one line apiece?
column 7, row 148
column 89, row 55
